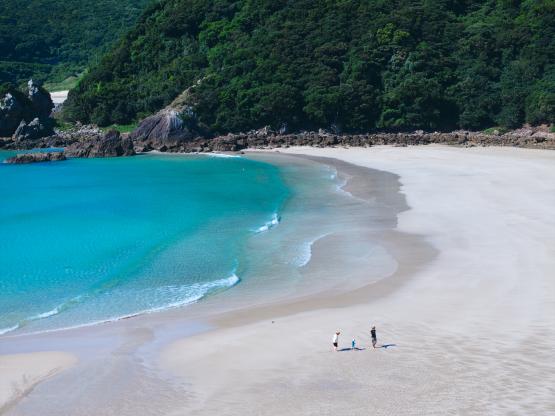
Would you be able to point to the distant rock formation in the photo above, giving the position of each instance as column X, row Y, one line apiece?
column 33, row 130
column 23, row 158
column 170, row 128
column 11, row 114
column 164, row 130
column 40, row 99
column 19, row 112
column 112, row 144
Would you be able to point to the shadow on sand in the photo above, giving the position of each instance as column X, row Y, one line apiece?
column 351, row 349
column 386, row 346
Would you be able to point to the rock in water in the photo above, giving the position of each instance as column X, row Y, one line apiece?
column 40, row 100
column 35, row 158
column 110, row 145
column 32, row 131
column 11, row 113
column 165, row 129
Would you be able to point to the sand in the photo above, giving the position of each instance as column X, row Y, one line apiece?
column 59, row 97
column 465, row 323
column 20, row 373
column 473, row 328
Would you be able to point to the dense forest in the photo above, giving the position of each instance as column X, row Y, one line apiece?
column 51, row 40
column 345, row 64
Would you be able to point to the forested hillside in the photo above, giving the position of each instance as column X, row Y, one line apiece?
column 54, row 39
column 357, row 65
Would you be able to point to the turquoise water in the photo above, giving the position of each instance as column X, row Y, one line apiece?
column 90, row 240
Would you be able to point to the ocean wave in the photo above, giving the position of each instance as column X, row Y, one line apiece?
column 47, row 314
column 9, row 329
column 303, row 256
column 270, row 224
column 192, row 293
column 224, row 155
column 188, row 294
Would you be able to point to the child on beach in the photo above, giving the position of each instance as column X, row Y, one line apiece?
column 353, row 344
column 336, row 340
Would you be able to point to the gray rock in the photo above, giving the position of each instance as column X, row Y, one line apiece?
column 11, row 114
column 40, row 100
column 112, row 144
column 165, row 129
column 32, row 131
column 35, row 158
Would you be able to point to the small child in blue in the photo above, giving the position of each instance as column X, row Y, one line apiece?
column 353, row 344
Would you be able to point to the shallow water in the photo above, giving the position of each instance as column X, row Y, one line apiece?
column 92, row 240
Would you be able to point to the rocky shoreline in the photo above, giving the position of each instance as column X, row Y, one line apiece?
column 27, row 120
column 90, row 141
column 528, row 138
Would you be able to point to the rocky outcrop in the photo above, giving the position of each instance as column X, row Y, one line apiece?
column 35, row 158
column 33, row 130
column 19, row 112
column 41, row 102
column 111, row 144
column 11, row 114
column 267, row 139
column 165, row 130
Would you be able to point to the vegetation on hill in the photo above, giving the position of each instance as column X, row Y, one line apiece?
column 51, row 40
column 357, row 65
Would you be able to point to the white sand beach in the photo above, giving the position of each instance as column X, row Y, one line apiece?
column 59, row 97
column 19, row 373
column 465, row 324
column 473, row 329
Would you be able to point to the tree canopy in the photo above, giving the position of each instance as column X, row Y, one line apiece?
column 50, row 40
column 350, row 64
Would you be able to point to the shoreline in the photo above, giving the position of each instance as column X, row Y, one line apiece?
column 354, row 184
column 209, row 318
column 462, row 280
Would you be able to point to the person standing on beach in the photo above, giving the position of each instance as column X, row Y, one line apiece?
column 336, row 340
column 353, row 344
column 374, row 338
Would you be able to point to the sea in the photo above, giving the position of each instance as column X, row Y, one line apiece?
column 86, row 241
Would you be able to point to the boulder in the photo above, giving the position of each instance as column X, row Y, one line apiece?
column 112, row 144
column 35, row 158
column 33, row 130
column 41, row 102
column 11, row 114
column 165, row 129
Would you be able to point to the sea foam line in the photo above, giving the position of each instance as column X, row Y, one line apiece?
column 270, row 224
column 305, row 254
column 200, row 290
column 223, row 155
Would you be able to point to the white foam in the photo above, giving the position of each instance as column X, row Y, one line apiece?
column 195, row 292
column 224, row 155
column 52, row 312
column 10, row 329
column 270, row 224
column 305, row 252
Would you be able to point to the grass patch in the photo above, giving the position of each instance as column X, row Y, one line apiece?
column 63, row 125
column 65, row 85
column 122, row 128
column 493, row 130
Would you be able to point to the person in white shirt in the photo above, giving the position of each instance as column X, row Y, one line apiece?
column 336, row 340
